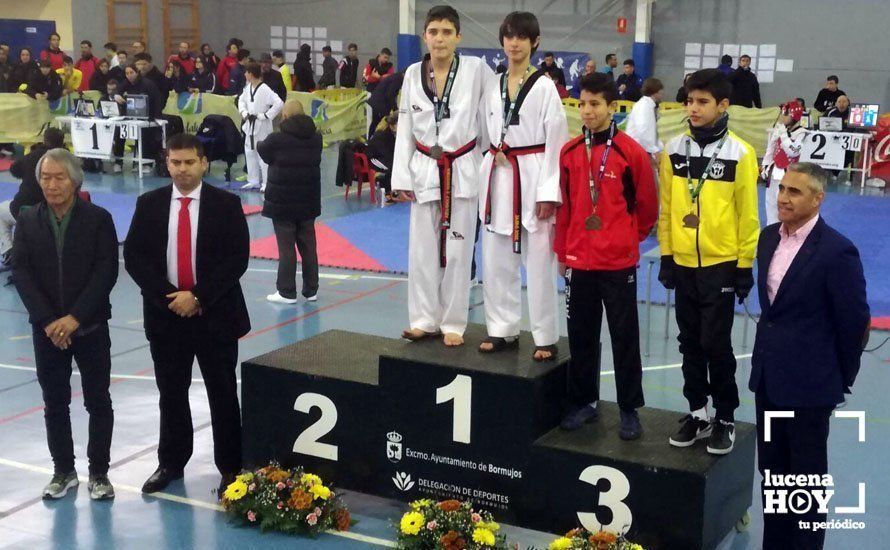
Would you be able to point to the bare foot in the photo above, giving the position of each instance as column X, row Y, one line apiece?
column 542, row 355
column 486, row 346
column 452, row 339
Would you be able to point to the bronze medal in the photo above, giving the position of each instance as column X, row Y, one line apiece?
column 593, row 223
column 691, row 221
column 501, row 158
column 436, row 151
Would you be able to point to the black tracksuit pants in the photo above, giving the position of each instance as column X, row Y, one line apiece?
column 705, row 305
column 587, row 293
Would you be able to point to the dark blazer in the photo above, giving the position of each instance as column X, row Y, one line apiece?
column 82, row 283
column 25, row 169
column 809, row 341
column 222, row 253
column 293, row 154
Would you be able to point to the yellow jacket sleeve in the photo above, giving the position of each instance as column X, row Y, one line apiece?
column 746, row 207
column 665, row 183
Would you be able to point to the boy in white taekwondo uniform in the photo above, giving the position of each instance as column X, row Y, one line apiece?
column 519, row 193
column 258, row 106
column 783, row 148
column 436, row 165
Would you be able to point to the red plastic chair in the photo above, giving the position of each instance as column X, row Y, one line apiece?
column 362, row 172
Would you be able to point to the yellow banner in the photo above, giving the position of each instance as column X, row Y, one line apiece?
column 751, row 125
column 338, row 114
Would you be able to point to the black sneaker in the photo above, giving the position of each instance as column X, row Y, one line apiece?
column 578, row 417
column 630, row 425
column 722, row 437
column 691, row 431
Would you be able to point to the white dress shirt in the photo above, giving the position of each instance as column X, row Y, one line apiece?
column 173, row 229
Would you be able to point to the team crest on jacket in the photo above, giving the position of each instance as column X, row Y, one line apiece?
column 717, row 170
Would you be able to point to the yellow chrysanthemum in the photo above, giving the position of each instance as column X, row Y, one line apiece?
column 246, row 477
column 636, row 547
column 236, row 490
column 422, row 503
column 491, row 526
column 483, row 537
column 561, row 543
column 320, row 491
column 310, row 479
column 412, row 522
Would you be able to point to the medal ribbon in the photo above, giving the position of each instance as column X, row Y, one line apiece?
column 694, row 192
column 588, row 148
column 441, row 105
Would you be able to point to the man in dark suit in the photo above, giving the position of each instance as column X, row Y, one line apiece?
column 187, row 249
column 65, row 265
column 809, row 341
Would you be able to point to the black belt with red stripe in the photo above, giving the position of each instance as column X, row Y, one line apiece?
column 445, row 188
column 512, row 154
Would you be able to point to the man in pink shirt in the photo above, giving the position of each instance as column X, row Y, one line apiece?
column 810, row 336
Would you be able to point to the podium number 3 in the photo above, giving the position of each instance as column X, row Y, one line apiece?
column 613, row 499
column 460, row 391
column 307, row 442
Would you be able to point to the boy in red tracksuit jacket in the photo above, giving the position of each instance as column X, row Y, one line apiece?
column 609, row 206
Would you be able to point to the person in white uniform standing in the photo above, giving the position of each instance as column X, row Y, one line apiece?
column 258, row 106
column 436, row 167
column 520, row 193
column 783, row 149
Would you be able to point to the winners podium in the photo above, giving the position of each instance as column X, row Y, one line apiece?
column 409, row 420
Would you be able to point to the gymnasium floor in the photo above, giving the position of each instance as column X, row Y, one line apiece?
column 186, row 516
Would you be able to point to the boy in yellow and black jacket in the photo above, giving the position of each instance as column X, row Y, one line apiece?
column 707, row 230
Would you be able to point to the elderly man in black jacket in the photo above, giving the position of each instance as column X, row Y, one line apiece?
column 293, row 200
column 69, row 311
column 29, row 192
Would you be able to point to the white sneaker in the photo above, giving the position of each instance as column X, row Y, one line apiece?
column 249, row 185
column 313, row 298
column 279, row 299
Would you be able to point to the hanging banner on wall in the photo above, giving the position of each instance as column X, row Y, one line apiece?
column 571, row 63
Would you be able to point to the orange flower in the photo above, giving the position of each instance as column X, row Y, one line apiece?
column 341, row 519
column 299, row 499
column 452, row 539
column 277, row 475
column 449, row 505
column 603, row 539
column 573, row 533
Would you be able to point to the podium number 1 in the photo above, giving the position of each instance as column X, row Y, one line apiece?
column 95, row 137
column 460, row 391
column 307, row 442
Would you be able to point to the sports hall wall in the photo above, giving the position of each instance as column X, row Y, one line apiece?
column 821, row 37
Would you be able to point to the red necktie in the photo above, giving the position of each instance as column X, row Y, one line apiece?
column 184, row 246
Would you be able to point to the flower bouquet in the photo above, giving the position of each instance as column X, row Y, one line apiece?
column 290, row 501
column 448, row 525
column 582, row 539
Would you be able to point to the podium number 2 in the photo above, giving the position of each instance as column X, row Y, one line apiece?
column 613, row 499
column 460, row 391
column 307, row 442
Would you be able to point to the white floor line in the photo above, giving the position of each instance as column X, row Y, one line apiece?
column 201, row 381
column 674, row 365
column 118, row 376
column 187, row 501
column 339, row 276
